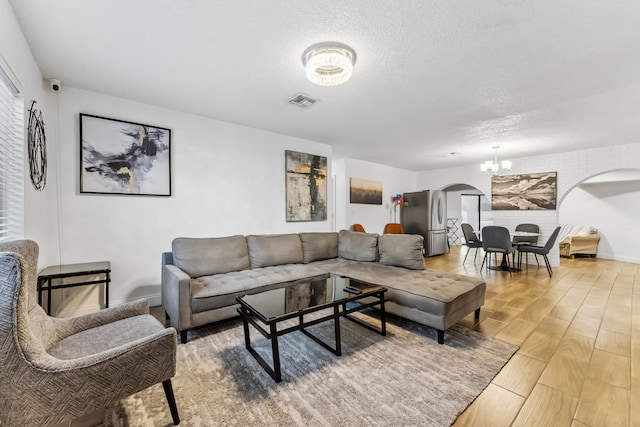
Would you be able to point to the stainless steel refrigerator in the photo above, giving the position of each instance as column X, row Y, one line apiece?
column 425, row 213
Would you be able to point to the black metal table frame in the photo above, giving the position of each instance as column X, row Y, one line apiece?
column 504, row 264
column 273, row 333
column 48, row 278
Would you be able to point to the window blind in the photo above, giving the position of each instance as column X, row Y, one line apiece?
column 11, row 159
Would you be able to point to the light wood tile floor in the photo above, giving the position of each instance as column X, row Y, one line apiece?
column 579, row 337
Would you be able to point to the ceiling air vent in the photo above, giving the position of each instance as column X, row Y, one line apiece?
column 302, row 100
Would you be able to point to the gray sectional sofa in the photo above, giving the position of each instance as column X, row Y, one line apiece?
column 201, row 277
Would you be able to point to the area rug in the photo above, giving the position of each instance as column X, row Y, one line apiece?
column 405, row 378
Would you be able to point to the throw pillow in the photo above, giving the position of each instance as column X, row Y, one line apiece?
column 402, row 250
column 274, row 249
column 206, row 256
column 358, row 246
column 319, row 246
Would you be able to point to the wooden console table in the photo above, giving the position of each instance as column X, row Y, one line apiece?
column 46, row 277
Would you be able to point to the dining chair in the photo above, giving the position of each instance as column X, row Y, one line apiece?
column 471, row 240
column 540, row 250
column 496, row 239
column 359, row 228
column 527, row 240
column 393, row 228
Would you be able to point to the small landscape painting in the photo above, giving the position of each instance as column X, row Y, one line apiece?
column 534, row 191
column 120, row 157
column 306, row 187
column 365, row 191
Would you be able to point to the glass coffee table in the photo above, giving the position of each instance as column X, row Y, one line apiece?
column 267, row 310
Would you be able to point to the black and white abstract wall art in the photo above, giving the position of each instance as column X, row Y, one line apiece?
column 306, row 187
column 534, row 191
column 121, row 157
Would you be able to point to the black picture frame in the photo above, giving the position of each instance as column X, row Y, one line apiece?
column 124, row 157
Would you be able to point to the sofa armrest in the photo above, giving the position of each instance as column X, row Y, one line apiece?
column 591, row 238
column 587, row 245
column 176, row 296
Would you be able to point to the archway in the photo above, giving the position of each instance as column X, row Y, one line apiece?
column 465, row 203
column 607, row 201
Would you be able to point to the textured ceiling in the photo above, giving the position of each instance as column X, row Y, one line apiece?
column 432, row 77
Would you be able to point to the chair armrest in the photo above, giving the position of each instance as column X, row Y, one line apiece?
column 110, row 375
column 65, row 327
column 176, row 296
column 164, row 338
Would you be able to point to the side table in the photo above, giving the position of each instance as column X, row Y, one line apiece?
column 46, row 277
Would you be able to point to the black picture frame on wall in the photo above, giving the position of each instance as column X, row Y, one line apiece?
column 123, row 157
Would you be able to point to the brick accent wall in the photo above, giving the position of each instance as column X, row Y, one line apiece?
column 572, row 168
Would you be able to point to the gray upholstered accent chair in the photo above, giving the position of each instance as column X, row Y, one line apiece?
column 54, row 370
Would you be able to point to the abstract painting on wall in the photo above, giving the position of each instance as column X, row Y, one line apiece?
column 306, row 187
column 534, row 191
column 365, row 191
column 119, row 157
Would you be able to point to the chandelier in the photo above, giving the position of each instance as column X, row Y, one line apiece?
column 492, row 166
column 328, row 64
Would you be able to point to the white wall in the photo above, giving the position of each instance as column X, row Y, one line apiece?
column 611, row 207
column 39, row 223
column 454, row 210
column 226, row 179
column 372, row 217
column 572, row 167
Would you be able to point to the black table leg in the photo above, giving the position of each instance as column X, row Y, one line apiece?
column 336, row 325
column 383, row 316
column 40, row 292
column 49, row 297
column 276, row 353
column 106, row 291
column 245, row 326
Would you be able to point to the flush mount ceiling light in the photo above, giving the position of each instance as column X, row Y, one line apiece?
column 492, row 166
column 328, row 64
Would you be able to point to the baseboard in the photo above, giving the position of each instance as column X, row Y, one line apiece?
column 154, row 299
column 621, row 258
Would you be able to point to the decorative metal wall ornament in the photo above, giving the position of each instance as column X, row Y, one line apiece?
column 37, row 147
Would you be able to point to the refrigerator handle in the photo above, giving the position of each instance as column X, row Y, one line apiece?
column 439, row 210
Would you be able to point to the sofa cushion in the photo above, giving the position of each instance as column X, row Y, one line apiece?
column 319, row 246
column 205, row 256
column 358, row 246
column 434, row 292
column 274, row 249
column 221, row 290
column 401, row 250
